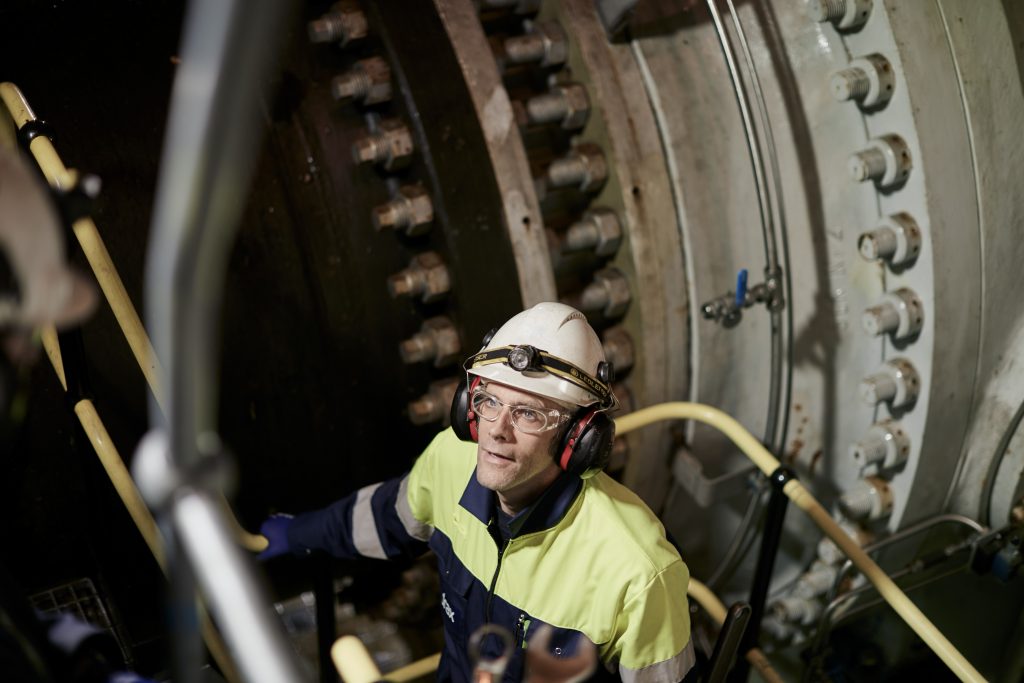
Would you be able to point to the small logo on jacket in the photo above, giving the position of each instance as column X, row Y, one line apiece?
column 447, row 608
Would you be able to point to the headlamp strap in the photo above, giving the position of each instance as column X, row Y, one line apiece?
column 527, row 358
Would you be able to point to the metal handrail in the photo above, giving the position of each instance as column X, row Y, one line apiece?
column 207, row 162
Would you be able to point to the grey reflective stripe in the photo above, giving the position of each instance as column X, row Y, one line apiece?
column 669, row 671
column 364, row 526
column 413, row 526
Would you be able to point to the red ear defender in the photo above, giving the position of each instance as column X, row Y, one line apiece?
column 462, row 417
column 588, row 444
column 474, row 431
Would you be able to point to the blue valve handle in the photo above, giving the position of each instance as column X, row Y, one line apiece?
column 741, row 288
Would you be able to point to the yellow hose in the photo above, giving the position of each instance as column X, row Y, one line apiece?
column 92, row 244
column 802, row 498
column 106, row 274
column 130, row 496
column 353, row 661
column 421, row 667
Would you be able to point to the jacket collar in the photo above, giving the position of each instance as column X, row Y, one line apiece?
column 545, row 513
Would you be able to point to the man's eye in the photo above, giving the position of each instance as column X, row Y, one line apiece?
column 528, row 415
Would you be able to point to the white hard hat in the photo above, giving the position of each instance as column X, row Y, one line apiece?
column 549, row 350
column 45, row 290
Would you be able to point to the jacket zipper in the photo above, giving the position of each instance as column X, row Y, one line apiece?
column 494, row 581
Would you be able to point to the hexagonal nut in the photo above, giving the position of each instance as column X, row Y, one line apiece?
column 595, row 166
column 556, row 44
column 343, row 23
column 437, row 283
column 435, row 405
column 411, row 210
column 577, row 104
column 609, row 230
column 379, row 73
column 618, row 349
column 420, row 208
column 391, row 146
column 368, row 81
column 426, row 276
column 617, row 287
column 446, row 339
column 399, row 142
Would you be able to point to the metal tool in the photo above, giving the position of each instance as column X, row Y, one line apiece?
column 488, row 670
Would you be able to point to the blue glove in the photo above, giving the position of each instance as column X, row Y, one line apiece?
column 275, row 528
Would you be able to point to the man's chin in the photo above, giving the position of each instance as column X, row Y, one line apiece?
column 490, row 480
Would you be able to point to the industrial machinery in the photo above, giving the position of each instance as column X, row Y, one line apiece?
column 803, row 212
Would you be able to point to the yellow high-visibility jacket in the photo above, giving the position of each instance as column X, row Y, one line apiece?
column 588, row 558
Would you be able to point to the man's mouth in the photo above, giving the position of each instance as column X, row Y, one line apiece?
column 499, row 456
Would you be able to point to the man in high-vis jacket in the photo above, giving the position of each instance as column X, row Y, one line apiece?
column 527, row 529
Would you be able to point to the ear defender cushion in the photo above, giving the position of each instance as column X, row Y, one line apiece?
column 588, row 444
column 463, row 419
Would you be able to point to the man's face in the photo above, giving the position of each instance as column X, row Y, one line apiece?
column 516, row 465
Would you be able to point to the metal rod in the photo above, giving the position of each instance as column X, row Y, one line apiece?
column 782, row 392
column 770, row 209
column 753, row 143
column 207, row 162
column 772, row 535
column 232, row 590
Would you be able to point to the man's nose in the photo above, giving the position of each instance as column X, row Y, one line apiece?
column 503, row 423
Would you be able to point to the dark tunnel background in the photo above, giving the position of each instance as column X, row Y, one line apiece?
column 313, row 394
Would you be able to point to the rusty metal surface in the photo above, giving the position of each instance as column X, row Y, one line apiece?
column 523, row 221
column 651, row 256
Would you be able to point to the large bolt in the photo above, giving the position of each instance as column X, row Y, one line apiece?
column 411, row 210
column 618, row 348
column 886, row 161
column 368, row 81
column 599, row 230
column 868, row 500
column 426, row 277
column 896, row 383
column 896, row 239
column 545, row 43
column 436, row 341
column 434, row 406
column 843, row 14
column 584, row 167
column 886, row 445
column 869, row 80
column 342, row 24
column 565, row 104
column 608, row 294
column 900, row 314
column 391, row 146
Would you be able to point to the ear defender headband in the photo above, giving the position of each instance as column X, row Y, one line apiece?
column 587, row 442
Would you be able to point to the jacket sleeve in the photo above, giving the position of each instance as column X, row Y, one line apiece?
column 652, row 634
column 381, row 521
